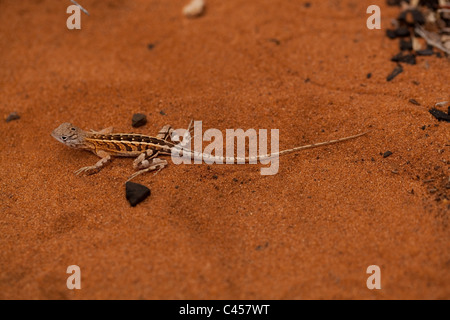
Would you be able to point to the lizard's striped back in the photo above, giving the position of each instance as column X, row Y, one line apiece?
column 125, row 144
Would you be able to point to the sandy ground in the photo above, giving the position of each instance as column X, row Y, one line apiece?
column 221, row 231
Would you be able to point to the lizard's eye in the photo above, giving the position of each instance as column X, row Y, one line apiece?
column 73, row 129
column 64, row 138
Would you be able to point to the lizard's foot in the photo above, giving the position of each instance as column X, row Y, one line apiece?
column 105, row 157
column 88, row 170
column 155, row 164
column 143, row 160
column 165, row 132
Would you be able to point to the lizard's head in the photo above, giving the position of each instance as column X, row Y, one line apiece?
column 69, row 135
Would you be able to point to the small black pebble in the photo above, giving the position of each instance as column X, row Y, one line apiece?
column 393, row 2
column 408, row 58
column 369, row 75
column 426, row 52
column 215, row 177
column 402, row 32
column 235, row 180
column 423, row 128
column 387, row 154
column 150, row 46
column 391, row 34
column 12, row 116
column 418, row 16
column 138, row 120
column 136, row 193
column 406, row 45
column 440, row 115
column 413, row 101
column 276, row 41
column 162, row 113
column 395, row 72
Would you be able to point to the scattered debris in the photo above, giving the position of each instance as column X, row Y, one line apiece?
column 440, row 115
column 408, row 58
column 433, row 39
column 387, row 154
column 276, row 41
column 406, row 45
column 162, row 113
column 12, row 116
column 138, row 120
column 425, row 52
column 194, row 9
column 369, row 75
column 420, row 27
column 150, row 46
column 260, row 247
column 136, row 193
column 398, row 69
column 441, row 104
column 414, row 101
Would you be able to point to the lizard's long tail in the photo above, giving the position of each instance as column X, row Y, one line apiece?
column 315, row 145
column 201, row 156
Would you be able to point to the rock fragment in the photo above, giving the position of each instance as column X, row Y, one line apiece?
column 136, row 193
column 387, row 154
column 194, row 9
column 394, row 73
column 440, row 115
column 138, row 120
column 12, row 116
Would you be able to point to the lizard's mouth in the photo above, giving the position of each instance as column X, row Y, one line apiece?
column 62, row 139
column 54, row 135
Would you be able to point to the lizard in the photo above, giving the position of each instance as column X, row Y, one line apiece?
column 144, row 148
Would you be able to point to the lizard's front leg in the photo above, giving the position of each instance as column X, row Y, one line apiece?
column 105, row 157
column 104, row 131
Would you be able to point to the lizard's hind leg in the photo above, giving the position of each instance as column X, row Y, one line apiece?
column 145, row 165
column 165, row 133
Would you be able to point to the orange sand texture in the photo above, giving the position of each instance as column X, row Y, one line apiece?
column 222, row 231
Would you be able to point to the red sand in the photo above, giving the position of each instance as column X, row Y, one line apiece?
column 310, row 231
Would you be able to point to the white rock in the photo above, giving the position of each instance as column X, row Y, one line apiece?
column 194, row 9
